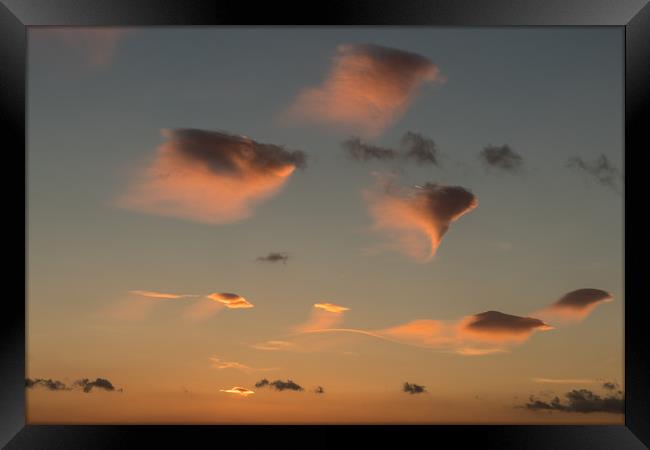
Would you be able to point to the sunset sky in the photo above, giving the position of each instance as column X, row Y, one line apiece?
column 274, row 225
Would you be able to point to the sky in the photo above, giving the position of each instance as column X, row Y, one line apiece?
column 325, row 225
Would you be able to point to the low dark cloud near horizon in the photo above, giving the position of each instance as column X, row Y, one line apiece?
column 600, row 169
column 274, row 257
column 413, row 388
column 610, row 385
column 279, row 385
column 85, row 384
column 501, row 157
column 414, row 146
column 580, row 401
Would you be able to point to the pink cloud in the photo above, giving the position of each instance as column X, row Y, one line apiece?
column 368, row 88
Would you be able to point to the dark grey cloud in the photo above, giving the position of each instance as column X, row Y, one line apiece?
column 52, row 385
column 582, row 298
column 413, row 388
column 609, row 385
column 501, row 157
column 495, row 321
column 362, row 151
column 99, row 383
column 85, row 384
column 279, row 385
column 420, row 148
column 601, row 169
column 319, row 390
column 581, row 401
column 233, row 154
column 274, row 257
column 446, row 203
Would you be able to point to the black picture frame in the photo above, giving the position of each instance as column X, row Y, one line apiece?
column 633, row 15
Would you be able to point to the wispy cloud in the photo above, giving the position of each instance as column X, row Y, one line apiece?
column 85, row 384
column 363, row 151
column 210, row 176
column 601, row 170
column 563, row 380
column 323, row 315
column 368, row 88
column 579, row 401
column 274, row 345
column 420, row 148
column 220, row 364
column 416, row 218
column 414, row 147
column 156, row 294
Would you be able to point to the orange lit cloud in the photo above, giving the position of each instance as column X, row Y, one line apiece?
column 231, row 301
column 324, row 315
column 202, row 310
column 94, row 46
column 238, row 391
column 273, row 345
column 210, row 176
column 155, row 294
column 416, row 218
column 368, row 88
column 563, row 380
column 576, row 305
column 220, row 364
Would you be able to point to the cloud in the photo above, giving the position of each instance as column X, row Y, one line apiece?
column 331, row 307
column 495, row 326
column 368, row 88
column 238, row 391
column 576, row 305
column 279, row 385
column 610, row 386
column 323, row 316
column 580, row 401
column 100, row 383
column 422, row 149
column 155, row 294
column 362, row 151
column 220, row 364
column 413, row 388
column 502, row 157
column 85, row 384
column 231, row 301
column 319, row 390
column 210, row 176
column 52, row 385
column 273, row 345
column 96, row 47
column 416, row 218
column 202, row 310
column 274, row 257
column 563, row 380
column 601, row 169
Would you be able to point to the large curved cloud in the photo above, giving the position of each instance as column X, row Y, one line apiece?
column 210, row 176
column 323, row 316
column 495, row 326
column 367, row 89
column 417, row 218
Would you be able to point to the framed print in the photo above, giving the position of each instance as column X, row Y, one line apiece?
column 365, row 219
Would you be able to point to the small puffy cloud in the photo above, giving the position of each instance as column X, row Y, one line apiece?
column 579, row 401
column 243, row 392
column 331, row 307
column 156, row 294
column 368, row 88
column 362, row 151
column 417, row 218
column 319, row 390
column 231, row 301
column 501, row 157
column 210, row 176
column 499, row 327
column 413, row 388
column 576, row 305
column 274, row 257
column 420, row 148
column 610, row 386
column 601, row 169
column 279, row 385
